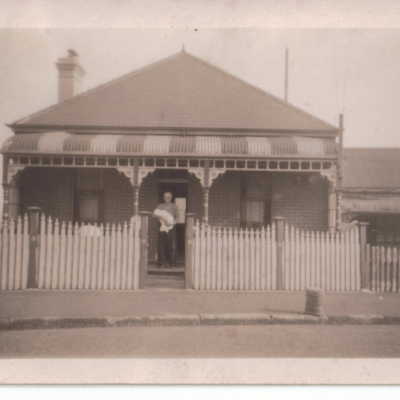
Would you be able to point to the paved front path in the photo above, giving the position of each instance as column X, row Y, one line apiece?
column 42, row 303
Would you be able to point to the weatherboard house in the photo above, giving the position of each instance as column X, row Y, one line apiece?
column 230, row 153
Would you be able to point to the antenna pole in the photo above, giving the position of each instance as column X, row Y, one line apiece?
column 286, row 74
column 339, row 175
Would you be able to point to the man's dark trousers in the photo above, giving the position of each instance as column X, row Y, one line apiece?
column 167, row 247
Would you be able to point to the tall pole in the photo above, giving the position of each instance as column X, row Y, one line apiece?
column 6, row 188
column 136, row 187
column 189, row 250
column 33, row 246
column 279, row 221
column 206, row 190
column 144, row 244
column 286, row 74
column 339, row 176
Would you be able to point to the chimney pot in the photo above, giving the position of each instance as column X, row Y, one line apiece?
column 70, row 75
column 72, row 53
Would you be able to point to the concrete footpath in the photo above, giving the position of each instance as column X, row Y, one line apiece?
column 46, row 309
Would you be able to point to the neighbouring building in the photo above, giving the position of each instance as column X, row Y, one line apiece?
column 229, row 152
column 371, row 192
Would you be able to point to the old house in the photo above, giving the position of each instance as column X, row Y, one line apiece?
column 371, row 192
column 229, row 152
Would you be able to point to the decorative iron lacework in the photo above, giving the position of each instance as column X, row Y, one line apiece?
column 227, row 164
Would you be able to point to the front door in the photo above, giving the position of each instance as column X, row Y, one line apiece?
column 179, row 197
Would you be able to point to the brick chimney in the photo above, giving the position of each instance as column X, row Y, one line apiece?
column 70, row 75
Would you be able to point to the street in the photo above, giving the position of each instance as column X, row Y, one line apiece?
column 204, row 342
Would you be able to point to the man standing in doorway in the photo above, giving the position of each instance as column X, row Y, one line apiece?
column 167, row 213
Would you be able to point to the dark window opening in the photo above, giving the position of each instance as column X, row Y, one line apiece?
column 255, row 203
column 88, row 202
column 383, row 230
column 89, row 206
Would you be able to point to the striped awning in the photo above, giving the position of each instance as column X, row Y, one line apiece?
column 67, row 143
column 390, row 205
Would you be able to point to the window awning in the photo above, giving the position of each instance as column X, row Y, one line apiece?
column 168, row 145
column 377, row 205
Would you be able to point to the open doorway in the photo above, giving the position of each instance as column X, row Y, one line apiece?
column 179, row 192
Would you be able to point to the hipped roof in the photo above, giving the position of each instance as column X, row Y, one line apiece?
column 182, row 91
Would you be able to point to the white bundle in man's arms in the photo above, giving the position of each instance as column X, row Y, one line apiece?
column 163, row 216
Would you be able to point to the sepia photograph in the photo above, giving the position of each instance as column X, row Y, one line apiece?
column 202, row 201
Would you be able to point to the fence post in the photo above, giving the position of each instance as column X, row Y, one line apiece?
column 189, row 250
column 144, row 227
column 33, row 246
column 279, row 221
column 365, row 281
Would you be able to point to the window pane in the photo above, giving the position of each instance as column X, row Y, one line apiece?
column 89, row 207
column 254, row 211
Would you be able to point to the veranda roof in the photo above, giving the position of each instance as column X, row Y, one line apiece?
column 371, row 205
column 167, row 145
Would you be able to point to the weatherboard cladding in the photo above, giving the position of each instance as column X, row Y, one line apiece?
column 181, row 91
column 62, row 142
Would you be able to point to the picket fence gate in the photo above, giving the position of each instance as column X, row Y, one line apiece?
column 72, row 256
column 228, row 258
column 248, row 259
column 384, row 267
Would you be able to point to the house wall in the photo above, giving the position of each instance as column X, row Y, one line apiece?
column 304, row 204
column 195, row 197
column 118, row 199
column 148, row 201
column 47, row 188
column 224, row 200
column 51, row 189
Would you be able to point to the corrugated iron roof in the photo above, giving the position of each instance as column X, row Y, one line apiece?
column 181, row 91
column 62, row 142
column 371, row 205
column 371, row 168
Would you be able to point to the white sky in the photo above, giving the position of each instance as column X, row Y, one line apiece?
column 354, row 71
column 347, row 63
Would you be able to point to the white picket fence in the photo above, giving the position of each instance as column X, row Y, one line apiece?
column 319, row 259
column 14, row 254
column 232, row 259
column 72, row 256
column 108, row 257
column 384, row 269
column 227, row 258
